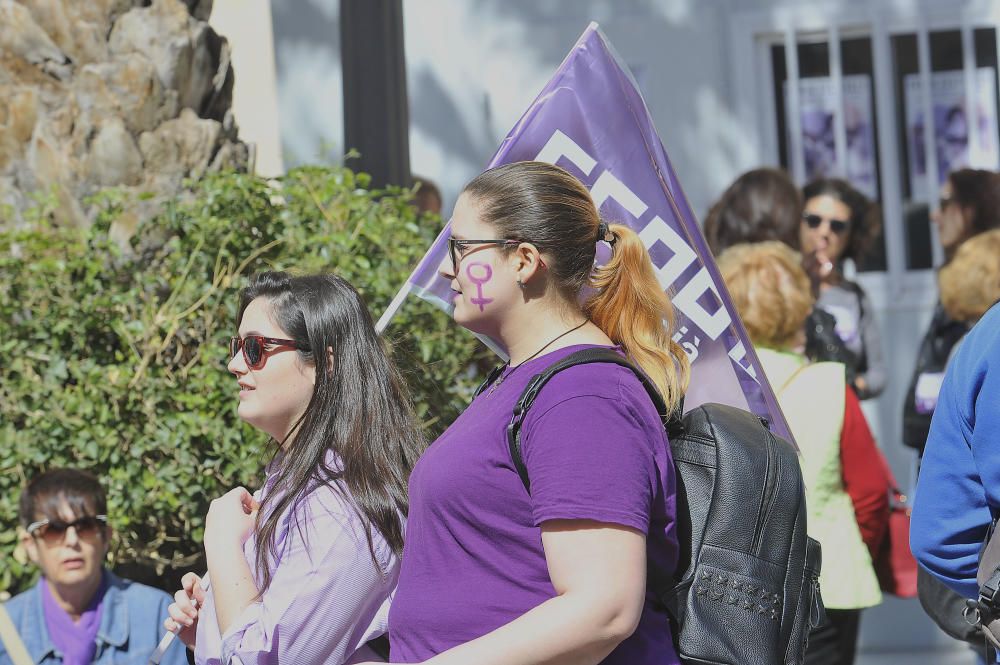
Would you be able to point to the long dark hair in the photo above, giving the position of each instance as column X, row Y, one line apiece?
column 979, row 191
column 545, row 205
column 866, row 216
column 762, row 204
column 359, row 409
column 79, row 490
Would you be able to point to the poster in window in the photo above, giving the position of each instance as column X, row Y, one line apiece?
column 817, row 107
column 952, row 139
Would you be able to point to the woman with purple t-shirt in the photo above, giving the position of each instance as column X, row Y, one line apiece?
column 492, row 573
column 301, row 571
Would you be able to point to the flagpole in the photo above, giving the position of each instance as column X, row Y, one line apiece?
column 393, row 307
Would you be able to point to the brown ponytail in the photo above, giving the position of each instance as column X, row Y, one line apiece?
column 632, row 309
column 545, row 205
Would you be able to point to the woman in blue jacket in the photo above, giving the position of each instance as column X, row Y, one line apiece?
column 79, row 612
column 958, row 490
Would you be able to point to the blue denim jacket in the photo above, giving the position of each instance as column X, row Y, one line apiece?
column 131, row 626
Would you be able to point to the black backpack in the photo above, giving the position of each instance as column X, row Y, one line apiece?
column 746, row 588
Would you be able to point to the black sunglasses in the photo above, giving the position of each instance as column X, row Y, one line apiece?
column 53, row 532
column 838, row 226
column 255, row 348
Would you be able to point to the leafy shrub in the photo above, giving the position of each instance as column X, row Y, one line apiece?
column 115, row 361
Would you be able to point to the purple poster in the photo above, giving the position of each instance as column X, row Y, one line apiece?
column 958, row 142
column 591, row 120
column 817, row 111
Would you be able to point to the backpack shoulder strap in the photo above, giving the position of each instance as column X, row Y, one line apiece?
column 537, row 382
column 12, row 641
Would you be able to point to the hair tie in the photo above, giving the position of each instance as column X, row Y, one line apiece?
column 603, row 233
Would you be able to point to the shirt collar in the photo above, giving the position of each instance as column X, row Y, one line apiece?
column 114, row 622
column 39, row 645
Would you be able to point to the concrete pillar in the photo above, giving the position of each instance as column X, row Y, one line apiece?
column 247, row 26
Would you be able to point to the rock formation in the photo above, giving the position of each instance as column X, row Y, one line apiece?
column 100, row 93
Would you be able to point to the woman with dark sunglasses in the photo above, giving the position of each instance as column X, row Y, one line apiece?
column 969, row 205
column 765, row 204
column 80, row 612
column 840, row 223
column 301, row 571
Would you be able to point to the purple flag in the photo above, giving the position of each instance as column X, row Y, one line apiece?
column 591, row 120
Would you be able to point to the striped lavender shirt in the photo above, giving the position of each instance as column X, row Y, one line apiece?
column 326, row 600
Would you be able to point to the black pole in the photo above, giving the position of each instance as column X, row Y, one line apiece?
column 376, row 111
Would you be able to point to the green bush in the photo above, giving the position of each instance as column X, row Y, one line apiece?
column 115, row 361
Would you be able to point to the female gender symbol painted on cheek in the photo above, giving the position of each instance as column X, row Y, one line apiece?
column 486, row 274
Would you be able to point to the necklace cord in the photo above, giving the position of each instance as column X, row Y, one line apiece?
column 510, row 370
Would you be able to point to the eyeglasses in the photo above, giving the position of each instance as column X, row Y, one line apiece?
column 456, row 247
column 255, row 348
column 838, row 226
column 53, row 532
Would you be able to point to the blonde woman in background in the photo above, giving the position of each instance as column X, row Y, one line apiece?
column 846, row 487
column 970, row 282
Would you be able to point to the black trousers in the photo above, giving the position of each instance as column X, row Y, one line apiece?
column 835, row 640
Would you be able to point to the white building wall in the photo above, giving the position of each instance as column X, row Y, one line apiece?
column 474, row 67
column 247, row 26
column 310, row 86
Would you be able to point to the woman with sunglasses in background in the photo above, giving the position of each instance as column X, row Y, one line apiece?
column 79, row 612
column 765, row 204
column 969, row 206
column 840, row 223
column 494, row 573
column 301, row 571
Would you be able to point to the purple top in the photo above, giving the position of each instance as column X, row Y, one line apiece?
column 594, row 448
column 327, row 597
column 76, row 640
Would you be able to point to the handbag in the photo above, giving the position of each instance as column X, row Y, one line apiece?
column 16, row 650
column 895, row 566
column 946, row 608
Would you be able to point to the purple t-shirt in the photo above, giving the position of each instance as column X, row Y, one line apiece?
column 594, row 448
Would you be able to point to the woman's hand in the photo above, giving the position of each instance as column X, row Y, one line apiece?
column 818, row 266
column 183, row 611
column 230, row 519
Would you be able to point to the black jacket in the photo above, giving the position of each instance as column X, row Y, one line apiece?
column 942, row 335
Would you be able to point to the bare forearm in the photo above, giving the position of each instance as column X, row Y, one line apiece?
column 565, row 630
column 233, row 587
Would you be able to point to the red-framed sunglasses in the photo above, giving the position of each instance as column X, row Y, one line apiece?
column 255, row 349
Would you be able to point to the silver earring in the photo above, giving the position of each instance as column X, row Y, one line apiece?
column 520, row 284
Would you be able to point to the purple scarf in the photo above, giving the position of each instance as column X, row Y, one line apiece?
column 77, row 641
